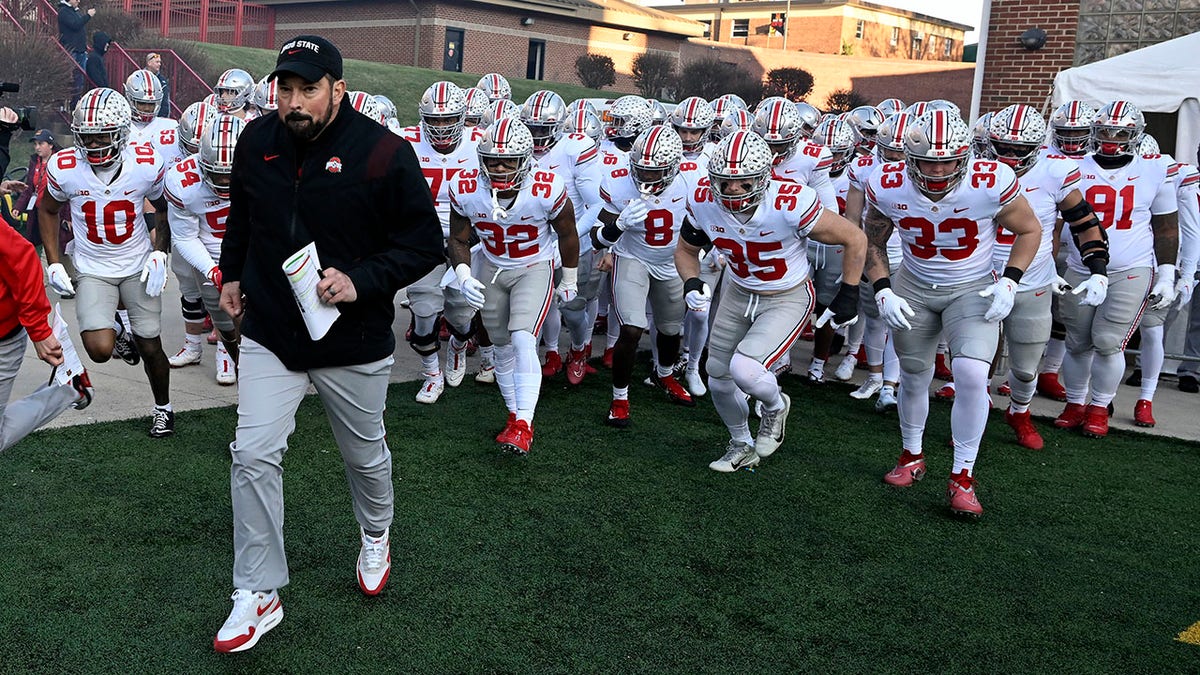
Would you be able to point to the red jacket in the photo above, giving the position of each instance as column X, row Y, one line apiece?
column 22, row 295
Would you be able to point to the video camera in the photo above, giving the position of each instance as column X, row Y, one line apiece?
column 26, row 116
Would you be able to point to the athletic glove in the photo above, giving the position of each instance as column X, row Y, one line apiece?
column 568, row 288
column 843, row 311
column 60, row 281
column 1003, row 294
column 154, row 273
column 1094, row 290
column 1059, row 285
column 892, row 309
column 697, row 295
column 1183, row 291
column 1162, row 294
column 214, row 276
column 633, row 215
column 472, row 288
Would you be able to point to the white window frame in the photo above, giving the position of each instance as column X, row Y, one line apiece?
column 859, row 29
column 744, row 31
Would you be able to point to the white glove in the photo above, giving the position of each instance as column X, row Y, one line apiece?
column 633, row 215
column 892, row 309
column 568, row 288
column 1183, row 291
column 472, row 288
column 699, row 300
column 1059, row 285
column 1162, row 293
column 154, row 273
column 1003, row 294
column 1094, row 290
column 60, row 281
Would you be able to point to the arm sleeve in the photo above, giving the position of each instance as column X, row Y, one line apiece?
column 1166, row 199
column 1189, row 223
column 185, row 234
column 819, row 181
column 21, row 273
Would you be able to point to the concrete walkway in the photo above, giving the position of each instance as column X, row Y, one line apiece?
column 122, row 391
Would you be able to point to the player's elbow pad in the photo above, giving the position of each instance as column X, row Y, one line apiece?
column 606, row 235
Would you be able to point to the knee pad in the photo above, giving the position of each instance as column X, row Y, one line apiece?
column 424, row 344
column 718, row 370
column 1058, row 330
column 193, row 310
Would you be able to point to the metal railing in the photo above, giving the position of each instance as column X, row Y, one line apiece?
column 230, row 22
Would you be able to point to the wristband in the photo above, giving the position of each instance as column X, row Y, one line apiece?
column 570, row 276
column 1014, row 273
column 693, row 284
column 881, row 284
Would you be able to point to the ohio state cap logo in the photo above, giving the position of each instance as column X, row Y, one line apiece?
column 334, row 165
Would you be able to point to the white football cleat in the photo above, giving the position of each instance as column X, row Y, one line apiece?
column 186, row 356
column 253, row 615
column 374, row 563
column 226, row 368
column 845, row 369
column 771, row 428
column 456, row 364
column 738, row 455
column 431, row 389
column 695, row 383
column 867, row 389
column 887, row 399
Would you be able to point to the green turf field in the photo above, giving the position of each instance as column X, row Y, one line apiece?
column 609, row 551
column 403, row 84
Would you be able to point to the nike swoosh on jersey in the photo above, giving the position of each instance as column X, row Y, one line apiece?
column 464, row 159
column 962, row 209
column 553, row 167
column 526, row 217
column 1131, row 276
column 1030, row 189
column 267, row 158
column 1132, row 178
column 1038, row 294
column 765, row 234
column 129, row 192
column 676, row 199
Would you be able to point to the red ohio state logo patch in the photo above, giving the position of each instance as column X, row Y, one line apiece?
column 334, row 165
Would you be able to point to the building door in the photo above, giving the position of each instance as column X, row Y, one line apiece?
column 535, row 68
column 452, row 56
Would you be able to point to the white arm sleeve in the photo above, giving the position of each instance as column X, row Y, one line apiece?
column 1189, row 230
column 185, row 238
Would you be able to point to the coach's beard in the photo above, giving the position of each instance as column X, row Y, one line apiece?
column 304, row 126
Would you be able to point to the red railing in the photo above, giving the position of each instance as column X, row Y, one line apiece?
column 187, row 86
column 230, row 22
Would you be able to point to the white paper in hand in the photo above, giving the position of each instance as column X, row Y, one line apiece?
column 303, row 274
column 71, row 365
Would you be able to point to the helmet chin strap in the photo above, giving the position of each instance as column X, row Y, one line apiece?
column 498, row 212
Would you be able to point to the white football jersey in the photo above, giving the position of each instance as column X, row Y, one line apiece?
column 858, row 173
column 948, row 241
column 161, row 133
column 576, row 158
column 1045, row 185
column 107, row 219
column 1189, row 218
column 1124, row 200
column 704, row 152
column 521, row 237
column 809, row 165
column 196, row 213
column 440, row 170
column 652, row 241
column 768, row 252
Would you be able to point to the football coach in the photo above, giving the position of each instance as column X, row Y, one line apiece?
column 317, row 172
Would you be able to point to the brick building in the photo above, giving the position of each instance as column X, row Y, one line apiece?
column 850, row 27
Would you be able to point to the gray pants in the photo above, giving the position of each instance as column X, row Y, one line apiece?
column 19, row 418
column 1191, row 343
column 268, row 396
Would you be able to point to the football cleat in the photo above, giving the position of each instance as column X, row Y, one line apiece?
column 606, row 360
column 867, row 389
column 1027, row 434
column 960, row 493
column 909, row 469
column 502, row 437
column 1095, row 422
column 673, row 390
column 815, row 375
column 1188, row 384
column 253, row 615
column 576, row 366
column 186, row 356
column 946, row 393
column 694, row 383
column 1049, row 386
column 456, row 364
column 486, row 374
column 738, row 455
column 1143, row 413
column 162, row 423
column 887, row 399
column 771, row 428
column 520, row 437
column 431, row 389
column 618, row 414
column 126, row 350
column 82, row 384
column 553, row 365
column 845, row 369
column 1071, row 417
column 941, row 371
column 226, row 368
column 374, row 563
column 1135, row 378
column 1004, row 389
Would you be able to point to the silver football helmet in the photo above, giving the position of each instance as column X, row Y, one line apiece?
column 979, row 134
column 477, row 105
column 917, row 109
column 943, row 104
column 864, row 123
column 544, row 113
column 658, row 112
column 654, row 159
column 216, row 153
column 837, row 137
column 367, row 105
column 1149, row 146
column 810, row 117
column 506, row 139
column 145, row 93
column 100, row 126
column 500, row 109
column 742, row 157
column 580, row 103
column 586, row 122
column 1071, row 127
column 626, row 118
column 266, row 96
column 1015, row 137
column 938, row 136
column 386, row 106
column 234, row 89
column 495, row 86
column 192, row 124
column 443, row 108
column 889, row 142
column 693, row 114
column 736, row 120
column 778, row 122
column 1117, row 130
column 890, row 106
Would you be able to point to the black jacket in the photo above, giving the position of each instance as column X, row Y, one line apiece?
column 359, row 193
column 70, row 28
column 97, row 70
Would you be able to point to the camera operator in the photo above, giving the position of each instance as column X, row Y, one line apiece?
column 8, row 124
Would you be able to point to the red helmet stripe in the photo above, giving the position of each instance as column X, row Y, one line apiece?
column 690, row 117
column 651, row 142
column 735, row 149
column 776, row 111
column 501, row 137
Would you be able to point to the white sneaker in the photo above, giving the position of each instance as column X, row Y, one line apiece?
column 374, row 563
column 771, row 428
column 486, row 374
column 869, row 388
column 694, row 383
column 432, row 389
column 845, row 369
column 185, row 357
column 253, row 615
column 456, row 364
column 226, row 368
column 738, row 455
column 815, row 375
column 887, row 399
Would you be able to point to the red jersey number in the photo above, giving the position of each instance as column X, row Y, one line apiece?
column 786, row 200
column 924, row 248
column 893, row 176
column 114, row 224
column 1104, row 198
column 188, row 168
column 660, row 227
column 750, row 262
column 436, row 179
column 216, row 221
column 166, row 137
column 514, row 242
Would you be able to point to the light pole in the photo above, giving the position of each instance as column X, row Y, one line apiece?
column 787, row 17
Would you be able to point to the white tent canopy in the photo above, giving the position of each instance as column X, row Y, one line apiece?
column 1161, row 78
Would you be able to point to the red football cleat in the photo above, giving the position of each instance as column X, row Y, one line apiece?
column 1004, row 389
column 553, row 365
column 618, row 414
column 1049, row 386
column 1071, row 416
column 576, row 365
column 909, row 469
column 946, row 393
column 673, row 389
column 504, row 433
column 1143, row 413
column 1027, row 434
column 960, row 493
column 519, row 439
column 1095, row 421
column 940, row 370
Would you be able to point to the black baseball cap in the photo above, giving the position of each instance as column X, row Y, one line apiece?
column 44, row 136
column 309, row 56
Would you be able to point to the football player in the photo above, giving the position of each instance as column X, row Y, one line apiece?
column 514, row 210
column 947, row 208
column 1136, row 202
column 721, row 107
column 692, row 119
column 234, row 91
column 495, row 87
column 760, row 226
column 105, row 180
